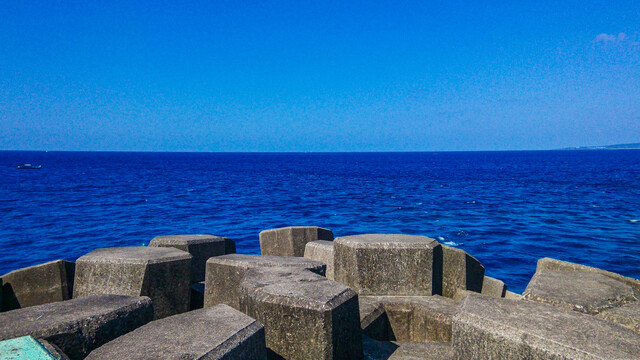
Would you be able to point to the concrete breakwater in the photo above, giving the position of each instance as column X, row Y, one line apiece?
column 310, row 296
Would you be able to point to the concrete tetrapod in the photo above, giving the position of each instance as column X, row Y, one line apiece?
column 407, row 318
column 224, row 274
column 498, row 328
column 389, row 264
column 201, row 247
column 78, row 326
column 37, row 285
column 322, row 251
column 163, row 274
column 460, row 271
column 218, row 332
column 291, row 241
column 305, row 315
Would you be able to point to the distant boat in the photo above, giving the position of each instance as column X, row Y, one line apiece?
column 29, row 166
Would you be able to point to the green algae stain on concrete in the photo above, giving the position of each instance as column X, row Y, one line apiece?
column 24, row 348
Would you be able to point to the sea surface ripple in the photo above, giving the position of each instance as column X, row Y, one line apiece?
column 508, row 209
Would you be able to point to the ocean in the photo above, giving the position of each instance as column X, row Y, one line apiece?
column 508, row 209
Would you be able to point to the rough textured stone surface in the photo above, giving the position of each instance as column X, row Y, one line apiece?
column 224, row 274
column 588, row 292
column 322, row 251
column 37, row 285
column 512, row 296
column 373, row 318
column 218, row 332
column 460, row 271
column 163, row 274
column 389, row 264
column 197, row 296
column 558, row 265
column 394, row 350
column 493, row 287
column 291, row 241
column 627, row 315
column 201, row 247
column 494, row 328
column 305, row 315
column 409, row 318
column 78, row 326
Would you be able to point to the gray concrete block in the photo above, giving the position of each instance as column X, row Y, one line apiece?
column 57, row 353
column 37, row 285
column 389, row 264
column 409, row 318
column 587, row 292
column 305, row 315
column 163, row 274
column 224, row 274
column 291, row 241
column 559, row 265
column 322, row 251
column 493, row 287
column 373, row 318
column 201, row 247
column 217, row 332
column 460, row 271
column 627, row 315
column 512, row 296
column 400, row 350
column 78, row 326
column 496, row 328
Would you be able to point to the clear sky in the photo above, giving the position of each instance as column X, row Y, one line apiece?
column 318, row 75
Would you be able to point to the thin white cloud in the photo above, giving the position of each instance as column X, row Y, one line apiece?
column 620, row 38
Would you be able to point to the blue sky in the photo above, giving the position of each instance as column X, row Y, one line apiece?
column 318, row 75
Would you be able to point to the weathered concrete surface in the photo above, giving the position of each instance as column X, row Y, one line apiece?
column 37, row 285
column 460, row 271
column 78, row 326
column 587, row 292
column 512, row 296
column 305, row 315
column 197, row 296
column 201, row 247
column 493, row 287
column 409, row 318
column 163, row 274
column 495, row 328
column 389, row 264
column 395, row 350
column 627, row 315
column 559, row 265
column 224, row 274
column 322, row 251
column 217, row 332
column 291, row 241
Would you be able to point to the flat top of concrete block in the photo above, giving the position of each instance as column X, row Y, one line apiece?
column 554, row 264
column 320, row 243
column 136, row 255
column 387, row 240
column 26, row 320
column 24, row 348
column 295, row 227
column 586, row 291
column 295, row 286
column 542, row 326
column 251, row 261
column 186, row 239
column 11, row 273
column 436, row 303
column 190, row 335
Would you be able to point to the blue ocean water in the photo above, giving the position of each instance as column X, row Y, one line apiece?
column 508, row 209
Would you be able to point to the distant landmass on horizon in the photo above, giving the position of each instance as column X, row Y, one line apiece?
column 605, row 147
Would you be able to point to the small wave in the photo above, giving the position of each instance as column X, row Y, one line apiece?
column 440, row 238
column 451, row 243
column 634, row 221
